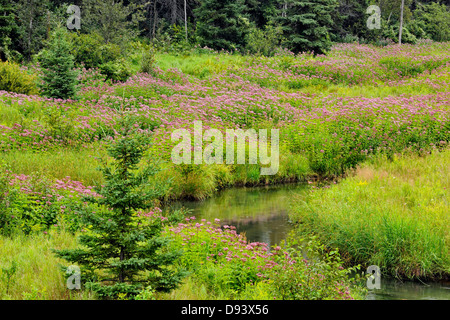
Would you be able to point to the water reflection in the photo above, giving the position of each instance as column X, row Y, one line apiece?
column 392, row 289
column 261, row 213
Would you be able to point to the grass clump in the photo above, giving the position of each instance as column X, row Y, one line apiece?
column 393, row 214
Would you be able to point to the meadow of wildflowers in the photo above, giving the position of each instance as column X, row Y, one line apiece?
column 333, row 112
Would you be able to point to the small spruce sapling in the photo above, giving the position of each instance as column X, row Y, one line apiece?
column 122, row 252
column 59, row 79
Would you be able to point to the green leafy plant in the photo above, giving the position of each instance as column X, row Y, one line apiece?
column 307, row 24
column 15, row 80
column 117, row 70
column 264, row 42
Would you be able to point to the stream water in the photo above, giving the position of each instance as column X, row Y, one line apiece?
column 262, row 214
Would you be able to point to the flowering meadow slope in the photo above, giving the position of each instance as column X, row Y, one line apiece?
column 333, row 113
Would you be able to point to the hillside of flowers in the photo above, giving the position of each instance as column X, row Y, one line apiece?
column 333, row 112
column 322, row 127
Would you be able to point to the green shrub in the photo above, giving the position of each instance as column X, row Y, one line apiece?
column 91, row 51
column 264, row 42
column 319, row 276
column 110, row 52
column 86, row 49
column 15, row 80
column 118, row 70
column 229, row 267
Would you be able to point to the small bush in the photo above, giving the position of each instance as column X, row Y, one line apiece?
column 148, row 60
column 228, row 266
column 117, row 70
column 264, row 42
column 90, row 50
column 15, row 80
column 86, row 49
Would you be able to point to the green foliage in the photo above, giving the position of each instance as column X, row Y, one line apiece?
column 264, row 42
column 6, row 18
column 221, row 24
column 117, row 70
column 393, row 214
column 112, row 19
column 392, row 32
column 123, row 251
column 147, row 294
column 436, row 20
column 91, row 51
column 306, row 25
column 34, row 206
column 15, row 80
column 229, row 267
column 32, row 26
column 349, row 22
column 87, row 49
column 148, row 60
column 7, row 25
column 59, row 77
column 8, row 274
column 313, row 274
column 7, row 221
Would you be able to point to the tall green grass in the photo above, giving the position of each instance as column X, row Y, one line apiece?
column 37, row 275
column 200, row 65
column 78, row 164
column 394, row 214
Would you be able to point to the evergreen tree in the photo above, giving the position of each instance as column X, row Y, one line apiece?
column 6, row 18
column 351, row 20
column 306, row 24
column 59, row 76
column 436, row 20
column 115, row 21
column 33, row 24
column 261, row 12
column 123, row 253
column 7, row 25
column 222, row 24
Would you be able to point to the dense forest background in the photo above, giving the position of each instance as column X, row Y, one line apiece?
column 253, row 26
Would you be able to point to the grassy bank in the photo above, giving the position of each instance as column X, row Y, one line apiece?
column 394, row 214
column 37, row 275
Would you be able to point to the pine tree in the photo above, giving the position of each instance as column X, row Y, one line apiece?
column 32, row 25
column 59, row 76
column 7, row 25
column 123, row 253
column 306, row 24
column 221, row 24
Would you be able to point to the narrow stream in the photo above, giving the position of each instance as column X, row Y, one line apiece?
column 262, row 214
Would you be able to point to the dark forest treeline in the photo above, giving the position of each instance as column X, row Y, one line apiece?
column 255, row 26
